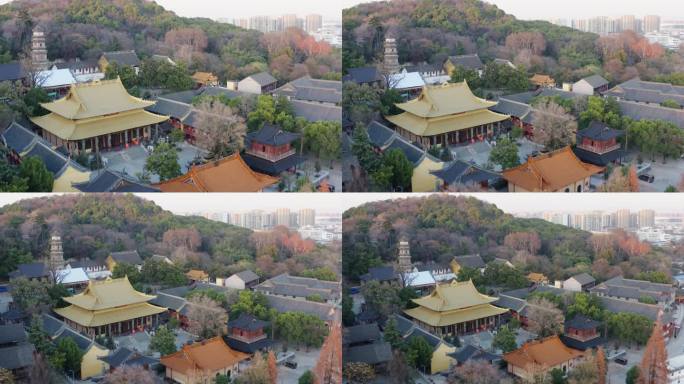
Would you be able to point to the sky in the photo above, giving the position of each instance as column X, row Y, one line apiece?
column 564, row 202
column 546, row 9
column 223, row 202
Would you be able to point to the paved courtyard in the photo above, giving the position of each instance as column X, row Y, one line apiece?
column 306, row 361
column 478, row 152
column 131, row 160
column 666, row 174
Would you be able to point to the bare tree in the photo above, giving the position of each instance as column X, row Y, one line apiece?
column 220, row 130
column 257, row 373
column 206, row 317
column 545, row 319
column 476, row 372
column 617, row 182
column 553, row 127
column 129, row 375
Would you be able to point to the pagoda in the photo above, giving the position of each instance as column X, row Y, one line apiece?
column 96, row 116
column 391, row 59
column 39, row 57
column 270, row 150
column 455, row 309
column 111, row 307
column 404, row 257
column 56, row 258
column 447, row 114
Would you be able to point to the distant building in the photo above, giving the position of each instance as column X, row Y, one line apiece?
column 364, row 75
column 542, row 81
column 635, row 290
column 128, row 257
column 592, row 85
column 16, row 351
column 247, row 334
column 242, row 280
column 307, row 216
column 467, row 261
column 302, row 288
column 120, row 58
column 196, row 275
column 312, row 23
column 582, row 333
column 326, row 92
column 205, row 79
column 260, row 83
column 39, row 58
column 597, row 144
column 391, row 57
column 651, row 23
column 471, row 62
column 197, row 362
column 582, row 282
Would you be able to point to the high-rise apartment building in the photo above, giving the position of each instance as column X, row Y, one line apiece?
column 646, row 218
column 289, row 21
column 622, row 218
column 282, row 217
column 651, row 23
column 313, row 23
column 307, row 216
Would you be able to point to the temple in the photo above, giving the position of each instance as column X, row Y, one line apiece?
column 230, row 174
column 598, row 145
column 111, row 307
column 246, row 334
column 269, row 150
column 447, row 114
column 201, row 362
column 455, row 309
column 97, row 116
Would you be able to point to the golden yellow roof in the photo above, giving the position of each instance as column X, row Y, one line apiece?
column 88, row 318
column 67, row 129
column 443, row 100
column 456, row 295
column 439, row 125
column 446, row 318
column 110, row 293
column 97, row 98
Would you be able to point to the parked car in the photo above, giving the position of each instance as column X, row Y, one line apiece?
column 647, row 178
column 291, row 364
column 621, row 360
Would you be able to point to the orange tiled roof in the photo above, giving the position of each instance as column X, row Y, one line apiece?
column 209, row 355
column 541, row 354
column 230, row 174
column 536, row 277
column 542, row 79
column 196, row 274
column 204, row 77
column 551, row 171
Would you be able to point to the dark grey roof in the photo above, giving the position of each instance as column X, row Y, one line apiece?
column 245, row 347
column 596, row 81
column 617, row 305
column 12, row 333
column 247, row 276
column 18, row 356
column 640, row 111
column 364, row 333
column 123, row 58
column 470, row 261
column 220, row 91
column 647, row 91
column 287, row 285
column 523, row 293
column 54, row 162
column 263, row 78
column 376, row 353
column 599, row 131
column 81, row 341
column 86, row 263
column 323, row 311
column 271, row 134
column 117, row 357
column 379, row 274
column 509, row 302
column 316, row 111
column 404, row 325
column 106, row 180
column 379, row 134
column 30, row 271
column 51, row 325
column 18, row 138
column 581, row 322
column 526, row 97
column 471, row 61
column 431, row 339
column 14, row 315
column 424, row 68
column 319, row 94
column 272, row 167
column 248, row 322
column 602, row 159
column 584, row 278
column 184, row 97
column 192, row 118
column 174, row 303
column 11, row 71
column 461, row 172
column 77, row 64
column 470, row 352
column 130, row 257
column 511, row 107
column 634, row 289
column 172, row 108
column 414, row 154
column 582, row 345
column 363, row 75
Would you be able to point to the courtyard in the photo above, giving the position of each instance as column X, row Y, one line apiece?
column 478, row 152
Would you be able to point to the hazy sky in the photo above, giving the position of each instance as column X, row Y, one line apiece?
column 566, row 202
column 225, row 202
column 544, row 9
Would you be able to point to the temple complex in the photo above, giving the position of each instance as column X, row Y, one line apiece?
column 111, row 307
column 97, row 116
column 455, row 309
column 447, row 114
column 270, row 151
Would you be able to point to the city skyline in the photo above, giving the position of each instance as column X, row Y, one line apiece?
column 541, row 9
column 518, row 203
column 184, row 203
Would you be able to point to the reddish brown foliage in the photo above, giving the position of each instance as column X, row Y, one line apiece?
column 653, row 369
column 328, row 369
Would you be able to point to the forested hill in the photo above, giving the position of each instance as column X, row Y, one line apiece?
column 93, row 225
column 431, row 30
column 440, row 227
column 85, row 28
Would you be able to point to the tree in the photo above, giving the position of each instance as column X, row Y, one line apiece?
column 322, row 138
column 219, row 129
column 505, row 340
column 618, row 181
column 257, row 373
column 72, row 355
column 30, row 295
column 163, row 162
column 205, row 317
column 505, row 154
column 42, row 372
column 471, row 76
column 38, row 337
column 475, row 372
column 124, row 72
column 544, row 318
column 6, row 376
column 306, row 378
column 398, row 368
column 163, row 341
column 653, row 368
column 129, row 375
column 391, row 333
column 585, row 372
column 382, row 298
column 272, row 367
column 253, row 303
column 361, row 102
column 301, row 328
column 359, row 373
column 328, row 368
column 127, row 270
column 585, row 304
column 362, row 148
column 37, row 175
column 629, row 327
column 601, row 368
column 418, row 353
column 632, row 375
column 395, row 173
column 553, row 127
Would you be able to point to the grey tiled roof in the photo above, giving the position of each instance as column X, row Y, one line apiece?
column 323, row 311
column 470, row 261
column 596, row 81
column 172, row 108
column 363, row 75
column 376, row 353
column 584, row 278
column 17, row 356
column 510, row 302
column 51, row 325
column 459, row 171
column 106, row 180
column 18, row 138
column 123, row 58
column 316, row 111
column 471, row 61
column 640, row 111
column 247, row 276
column 130, row 257
column 379, row 274
column 30, row 271
column 263, row 78
column 174, row 303
column 12, row 333
column 379, row 134
column 364, row 333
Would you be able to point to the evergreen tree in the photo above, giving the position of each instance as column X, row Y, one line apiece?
column 391, row 333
